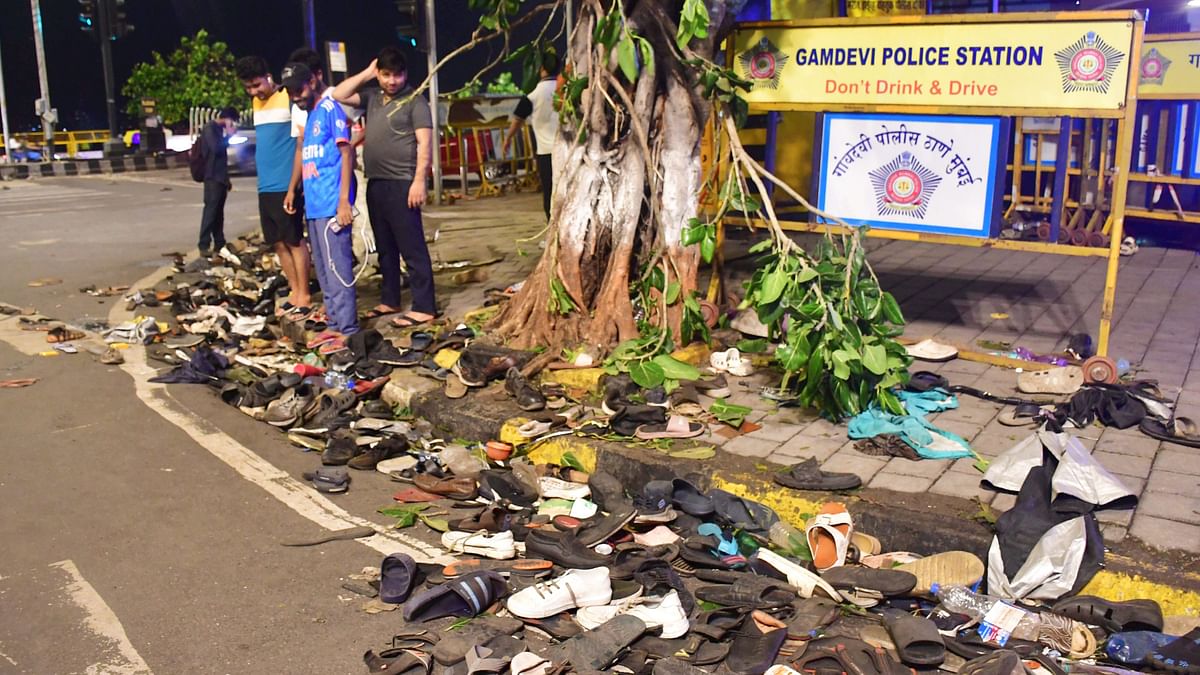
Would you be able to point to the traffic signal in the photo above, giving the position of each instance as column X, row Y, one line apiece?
column 118, row 24
column 87, row 16
column 411, row 29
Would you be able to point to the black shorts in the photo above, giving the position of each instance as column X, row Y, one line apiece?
column 277, row 224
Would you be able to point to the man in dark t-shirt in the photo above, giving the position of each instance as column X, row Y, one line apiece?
column 396, row 157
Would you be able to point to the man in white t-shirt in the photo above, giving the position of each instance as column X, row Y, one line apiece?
column 537, row 109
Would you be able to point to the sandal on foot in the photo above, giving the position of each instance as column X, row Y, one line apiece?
column 407, row 320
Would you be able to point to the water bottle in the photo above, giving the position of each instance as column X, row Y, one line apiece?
column 1132, row 648
column 335, row 380
column 789, row 540
column 962, row 600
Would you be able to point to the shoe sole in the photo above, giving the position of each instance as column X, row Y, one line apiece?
column 485, row 551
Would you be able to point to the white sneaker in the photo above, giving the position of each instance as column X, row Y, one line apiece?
column 666, row 613
column 499, row 546
column 552, row 488
column 575, row 588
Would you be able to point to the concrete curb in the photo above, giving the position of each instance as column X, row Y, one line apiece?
column 919, row 522
column 85, row 167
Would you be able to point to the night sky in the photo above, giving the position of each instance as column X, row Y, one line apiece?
column 271, row 28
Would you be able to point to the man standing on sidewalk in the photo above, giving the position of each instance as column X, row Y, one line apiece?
column 396, row 157
column 328, row 174
column 538, row 110
column 214, row 147
column 274, row 157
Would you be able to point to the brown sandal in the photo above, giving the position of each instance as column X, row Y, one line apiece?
column 64, row 334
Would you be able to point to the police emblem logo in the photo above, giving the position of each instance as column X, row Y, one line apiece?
column 903, row 187
column 1088, row 64
column 763, row 63
column 1154, row 68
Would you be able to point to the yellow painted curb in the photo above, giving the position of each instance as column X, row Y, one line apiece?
column 1118, row 586
column 587, row 379
column 791, row 509
column 696, row 354
column 552, row 451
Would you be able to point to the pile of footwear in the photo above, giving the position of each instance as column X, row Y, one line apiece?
column 563, row 570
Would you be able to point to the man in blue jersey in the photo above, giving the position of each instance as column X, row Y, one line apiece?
column 274, row 155
column 328, row 174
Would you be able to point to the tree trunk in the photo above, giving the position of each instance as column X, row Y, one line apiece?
column 622, row 196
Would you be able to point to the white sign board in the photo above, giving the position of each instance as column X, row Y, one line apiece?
column 917, row 173
column 337, row 57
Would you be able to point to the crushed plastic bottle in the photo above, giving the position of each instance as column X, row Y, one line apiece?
column 976, row 605
column 336, row 380
column 1132, row 648
column 789, row 540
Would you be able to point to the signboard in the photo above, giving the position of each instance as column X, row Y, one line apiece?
column 1052, row 64
column 337, row 57
column 910, row 172
column 1170, row 69
column 859, row 8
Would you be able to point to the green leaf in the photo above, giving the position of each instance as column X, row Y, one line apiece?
column 693, row 232
column 627, row 57
column 647, row 55
column 875, row 359
column 708, row 247
column 752, row 346
column 656, row 278
column 730, row 414
column 437, row 524
column 762, row 245
column 672, row 294
column 773, row 285
column 891, row 309
column 647, row 374
column 569, row 459
column 806, row 274
column 674, row 369
column 698, row 452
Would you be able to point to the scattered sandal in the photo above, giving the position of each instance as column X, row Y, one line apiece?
column 64, row 334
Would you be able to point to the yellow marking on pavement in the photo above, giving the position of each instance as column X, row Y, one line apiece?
column 552, row 451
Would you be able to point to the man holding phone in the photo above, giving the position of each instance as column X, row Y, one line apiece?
column 328, row 173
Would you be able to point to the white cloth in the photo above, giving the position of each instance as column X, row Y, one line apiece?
column 544, row 118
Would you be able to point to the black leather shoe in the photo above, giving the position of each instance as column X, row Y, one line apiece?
column 563, row 549
column 527, row 397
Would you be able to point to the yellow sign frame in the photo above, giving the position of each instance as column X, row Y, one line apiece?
column 1078, row 63
column 1174, row 53
column 1125, row 114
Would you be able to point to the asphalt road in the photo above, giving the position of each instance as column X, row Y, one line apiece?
column 141, row 527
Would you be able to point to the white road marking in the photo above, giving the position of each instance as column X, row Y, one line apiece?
column 101, row 621
column 297, row 496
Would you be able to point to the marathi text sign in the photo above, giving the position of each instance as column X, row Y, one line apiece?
column 1055, row 64
column 910, row 172
column 1170, row 69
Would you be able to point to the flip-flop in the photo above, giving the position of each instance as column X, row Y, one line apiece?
column 1180, row 656
column 18, row 383
column 64, row 334
column 931, row 350
column 376, row 313
column 1181, row 430
column 530, row 567
column 828, row 535
column 675, row 427
column 397, row 573
column 407, row 320
column 918, row 642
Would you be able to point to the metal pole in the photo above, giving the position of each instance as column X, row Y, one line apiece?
column 310, row 24
column 104, row 9
column 431, row 39
column 4, row 112
column 47, row 118
column 570, row 21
